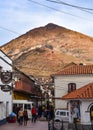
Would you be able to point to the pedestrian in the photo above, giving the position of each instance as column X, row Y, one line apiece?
column 20, row 116
column 33, row 111
column 17, row 110
column 39, row 111
column 51, row 113
column 36, row 113
column 25, row 117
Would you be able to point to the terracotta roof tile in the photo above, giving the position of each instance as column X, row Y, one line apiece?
column 85, row 92
column 76, row 69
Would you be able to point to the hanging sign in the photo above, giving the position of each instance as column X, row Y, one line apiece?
column 5, row 88
column 6, row 77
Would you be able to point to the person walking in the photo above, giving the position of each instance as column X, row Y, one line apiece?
column 17, row 110
column 20, row 116
column 34, row 111
column 25, row 117
column 39, row 111
column 51, row 113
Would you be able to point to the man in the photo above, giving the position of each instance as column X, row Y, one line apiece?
column 34, row 112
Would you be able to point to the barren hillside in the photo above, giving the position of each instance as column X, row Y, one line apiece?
column 45, row 50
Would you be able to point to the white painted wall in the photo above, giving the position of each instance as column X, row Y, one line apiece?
column 85, row 115
column 5, row 97
column 61, row 86
column 84, row 111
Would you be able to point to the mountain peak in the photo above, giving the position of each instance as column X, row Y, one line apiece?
column 51, row 26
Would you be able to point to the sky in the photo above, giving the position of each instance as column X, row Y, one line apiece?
column 19, row 16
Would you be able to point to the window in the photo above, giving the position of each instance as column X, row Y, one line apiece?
column 27, row 106
column 57, row 113
column 63, row 113
column 71, row 87
column 67, row 113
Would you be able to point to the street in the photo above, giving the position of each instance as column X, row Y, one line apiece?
column 39, row 125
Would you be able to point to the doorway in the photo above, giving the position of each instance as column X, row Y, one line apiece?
column 91, row 113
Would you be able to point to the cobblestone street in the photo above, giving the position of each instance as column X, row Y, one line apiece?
column 39, row 125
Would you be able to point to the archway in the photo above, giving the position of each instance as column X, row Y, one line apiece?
column 91, row 113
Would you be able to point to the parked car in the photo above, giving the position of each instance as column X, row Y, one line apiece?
column 61, row 115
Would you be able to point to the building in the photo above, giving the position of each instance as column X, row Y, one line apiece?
column 25, row 87
column 81, row 100
column 5, row 86
column 15, row 85
column 70, row 79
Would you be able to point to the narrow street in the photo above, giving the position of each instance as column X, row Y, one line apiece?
column 39, row 125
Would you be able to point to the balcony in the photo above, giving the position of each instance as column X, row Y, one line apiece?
column 23, row 86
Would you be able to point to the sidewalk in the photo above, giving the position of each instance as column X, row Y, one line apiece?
column 39, row 125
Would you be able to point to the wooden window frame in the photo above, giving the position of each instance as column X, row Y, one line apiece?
column 71, row 87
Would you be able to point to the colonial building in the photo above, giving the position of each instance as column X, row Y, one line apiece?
column 70, row 79
column 80, row 104
column 5, row 86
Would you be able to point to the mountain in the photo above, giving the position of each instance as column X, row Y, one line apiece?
column 45, row 50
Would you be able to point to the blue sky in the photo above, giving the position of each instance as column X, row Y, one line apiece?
column 19, row 16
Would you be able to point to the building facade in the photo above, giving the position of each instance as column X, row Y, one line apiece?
column 25, row 88
column 5, row 96
column 70, row 79
column 80, row 104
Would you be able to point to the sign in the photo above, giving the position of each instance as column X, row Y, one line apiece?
column 5, row 88
column 6, row 77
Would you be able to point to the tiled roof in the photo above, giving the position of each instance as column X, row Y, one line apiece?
column 69, row 65
column 76, row 69
column 85, row 92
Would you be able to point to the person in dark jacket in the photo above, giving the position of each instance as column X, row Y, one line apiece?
column 51, row 113
column 25, row 117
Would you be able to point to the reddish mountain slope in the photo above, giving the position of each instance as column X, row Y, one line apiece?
column 45, row 50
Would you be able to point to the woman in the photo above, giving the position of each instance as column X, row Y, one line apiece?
column 20, row 116
column 25, row 117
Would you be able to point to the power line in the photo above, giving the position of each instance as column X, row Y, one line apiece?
column 86, row 11
column 38, row 3
column 9, row 30
column 78, row 7
column 61, row 2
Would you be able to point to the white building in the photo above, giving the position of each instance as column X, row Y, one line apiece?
column 5, row 97
column 70, row 79
column 82, row 99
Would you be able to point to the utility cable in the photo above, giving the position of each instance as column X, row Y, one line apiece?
column 77, row 7
column 61, row 2
column 10, row 30
column 38, row 3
